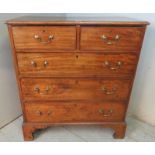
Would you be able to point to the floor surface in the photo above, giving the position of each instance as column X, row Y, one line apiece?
column 136, row 131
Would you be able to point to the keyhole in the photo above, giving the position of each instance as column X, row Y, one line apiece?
column 77, row 56
column 76, row 81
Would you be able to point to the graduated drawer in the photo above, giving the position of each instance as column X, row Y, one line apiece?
column 76, row 64
column 111, row 38
column 74, row 112
column 44, row 37
column 61, row 89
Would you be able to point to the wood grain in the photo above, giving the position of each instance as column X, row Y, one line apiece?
column 76, row 64
column 64, row 37
column 74, row 89
column 62, row 20
column 130, row 38
column 74, row 112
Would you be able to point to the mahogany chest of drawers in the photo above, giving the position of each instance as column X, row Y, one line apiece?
column 75, row 71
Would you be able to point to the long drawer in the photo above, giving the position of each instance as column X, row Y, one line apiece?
column 60, row 89
column 111, row 38
column 76, row 64
column 74, row 112
column 44, row 37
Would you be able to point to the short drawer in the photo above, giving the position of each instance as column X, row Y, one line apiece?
column 74, row 112
column 112, row 38
column 76, row 64
column 60, row 89
column 44, row 37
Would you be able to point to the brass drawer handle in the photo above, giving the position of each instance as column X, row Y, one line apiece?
column 106, row 113
column 39, row 113
column 117, row 66
column 49, row 113
column 108, row 92
column 38, row 38
column 47, row 89
column 45, row 63
column 33, row 63
column 109, row 41
column 37, row 90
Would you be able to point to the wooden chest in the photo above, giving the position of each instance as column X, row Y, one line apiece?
column 75, row 71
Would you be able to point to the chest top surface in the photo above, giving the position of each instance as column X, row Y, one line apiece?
column 36, row 20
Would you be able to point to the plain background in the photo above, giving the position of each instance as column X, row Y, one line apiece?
column 72, row 6
column 142, row 99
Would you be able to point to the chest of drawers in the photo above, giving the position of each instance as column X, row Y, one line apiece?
column 75, row 71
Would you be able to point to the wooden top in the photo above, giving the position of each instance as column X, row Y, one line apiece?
column 115, row 21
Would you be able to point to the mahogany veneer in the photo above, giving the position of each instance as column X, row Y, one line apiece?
column 75, row 71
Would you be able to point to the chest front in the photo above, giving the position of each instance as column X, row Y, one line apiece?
column 75, row 73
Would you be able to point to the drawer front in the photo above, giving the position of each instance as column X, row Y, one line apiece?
column 44, row 37
column 76, row 65
column 74, row 112
column 74, row 89
column 112, row 38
